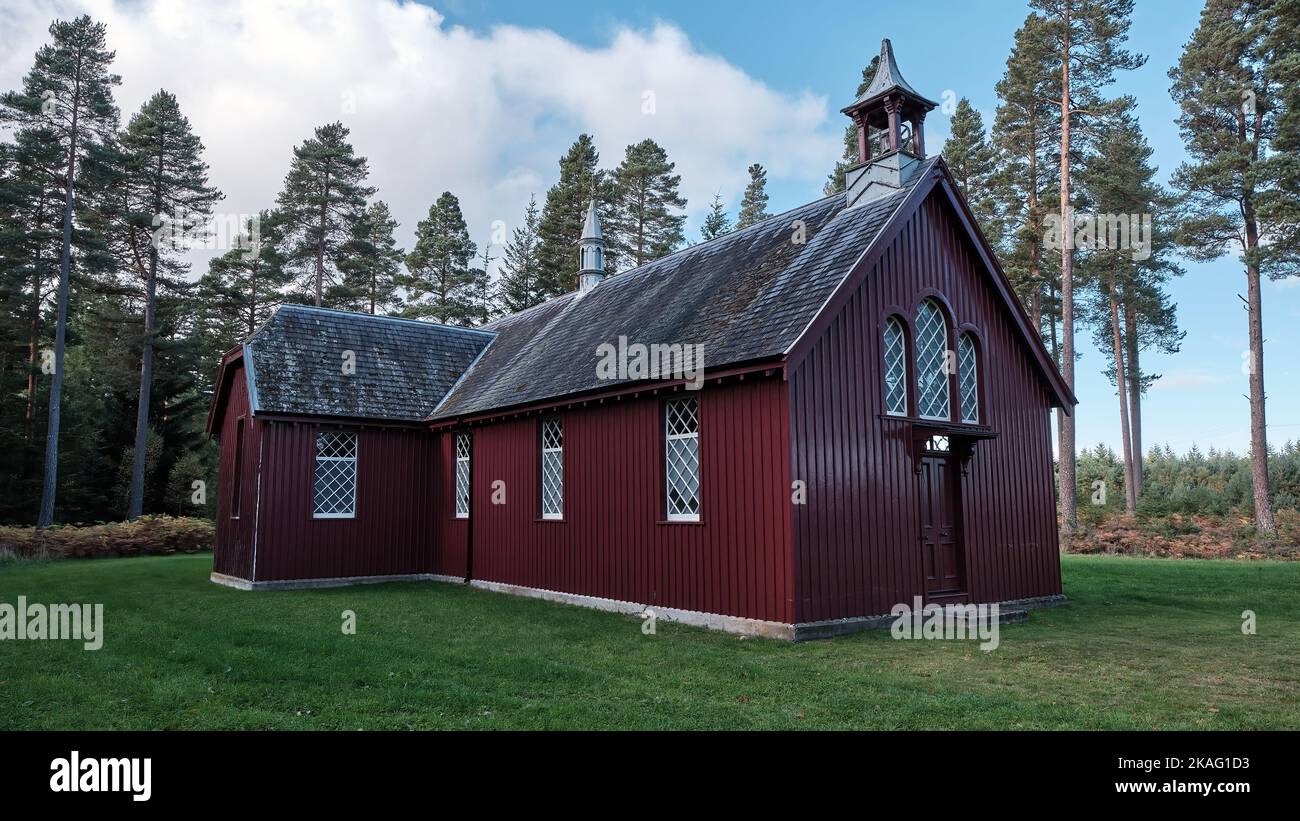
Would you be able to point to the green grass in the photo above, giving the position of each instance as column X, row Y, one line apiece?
column 1145, row 643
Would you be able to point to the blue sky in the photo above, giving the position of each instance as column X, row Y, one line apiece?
column 481, row 99
column 822, row 46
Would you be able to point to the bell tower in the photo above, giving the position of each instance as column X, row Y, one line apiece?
column 591, row 252
column 889, row 116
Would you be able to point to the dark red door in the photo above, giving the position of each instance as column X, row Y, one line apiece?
column 940, row 535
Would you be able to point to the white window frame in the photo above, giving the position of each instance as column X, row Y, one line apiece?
column 968, row 370
column 356, row 450
column 669, row 439
column 893, row 322
column 462, row 463
column 557, row 453
column 926, row 363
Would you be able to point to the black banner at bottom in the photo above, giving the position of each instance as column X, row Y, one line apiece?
column 139, row 771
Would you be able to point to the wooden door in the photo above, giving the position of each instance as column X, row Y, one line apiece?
column 940, row 531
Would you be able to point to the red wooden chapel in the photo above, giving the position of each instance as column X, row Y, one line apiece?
column 870, row 424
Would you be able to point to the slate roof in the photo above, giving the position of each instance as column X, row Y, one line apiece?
column 403, row 366
column 745, row 296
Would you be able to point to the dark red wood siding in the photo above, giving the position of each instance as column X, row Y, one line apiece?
column 612, row 542
column 450, row 551
column 856, row 542
column 393, row 532
column 233, row 551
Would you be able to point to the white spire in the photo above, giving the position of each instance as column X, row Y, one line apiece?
column 591, row 252
column 591, row 226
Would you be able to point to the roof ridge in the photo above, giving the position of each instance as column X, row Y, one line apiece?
column 645, row 266
column 377, row 317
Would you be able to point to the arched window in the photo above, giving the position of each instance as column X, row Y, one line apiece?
column 968, row 379
column 931, row 362
column 895, row 368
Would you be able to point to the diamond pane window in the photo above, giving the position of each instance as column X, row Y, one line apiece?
column 336, row 475
column 462, row 476
column 895, row 368
column 682, row 459
column 552, row 469
column 931, row 362
column 938, row 444
column 967, row 380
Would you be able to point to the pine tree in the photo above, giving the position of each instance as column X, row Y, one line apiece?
column 484, row 305
column 440, row 283
column 753, row 206
column 161, row 204
column 31, row 237
column 717, row 222
column 521, row 267
column 1121, row 278
column 1229, row 116
column 1089, row 37
column 561, row 222
column 371, row 265
column 973, row 163
column 68, row 95
column 1025, row 129
column 243, row 286
column 644, row 221
column 1278, row 204
column 323, row 199
column 835, row 182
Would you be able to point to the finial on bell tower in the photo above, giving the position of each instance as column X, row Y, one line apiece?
column 891, row 113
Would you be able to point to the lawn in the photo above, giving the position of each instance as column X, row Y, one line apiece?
column 1145, row 643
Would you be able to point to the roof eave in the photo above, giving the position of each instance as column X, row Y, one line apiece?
column 219, row 388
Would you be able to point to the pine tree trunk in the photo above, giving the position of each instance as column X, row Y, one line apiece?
column 1117, row 344
column 1264, row 521
column 1035, row 263
column 136, row 505
column 33, row 347
column 1134, row 372
column 1069, row 511
column 320, row 243
column 46, row 516
column 252, row 294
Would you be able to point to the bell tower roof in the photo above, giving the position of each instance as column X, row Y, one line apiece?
column 888, row 122
column 888, row 81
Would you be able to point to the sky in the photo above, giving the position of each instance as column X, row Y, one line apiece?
column 482, row 98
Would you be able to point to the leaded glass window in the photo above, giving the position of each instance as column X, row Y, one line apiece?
column 552, row 469
column 335, row 494
column 462, row 475
column 895, row 368
column 682, row 459
column 932, row 362
column 968, row 380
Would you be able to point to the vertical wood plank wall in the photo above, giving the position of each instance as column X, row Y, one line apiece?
column 233, row 552
column 856, row 544
column 393, row 531
column 613, row 542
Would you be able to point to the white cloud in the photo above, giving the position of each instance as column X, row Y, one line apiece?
column 436, row 107
column 1188, row 379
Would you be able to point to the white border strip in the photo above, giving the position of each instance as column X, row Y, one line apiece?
column 738, row 625
column 694, row 618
